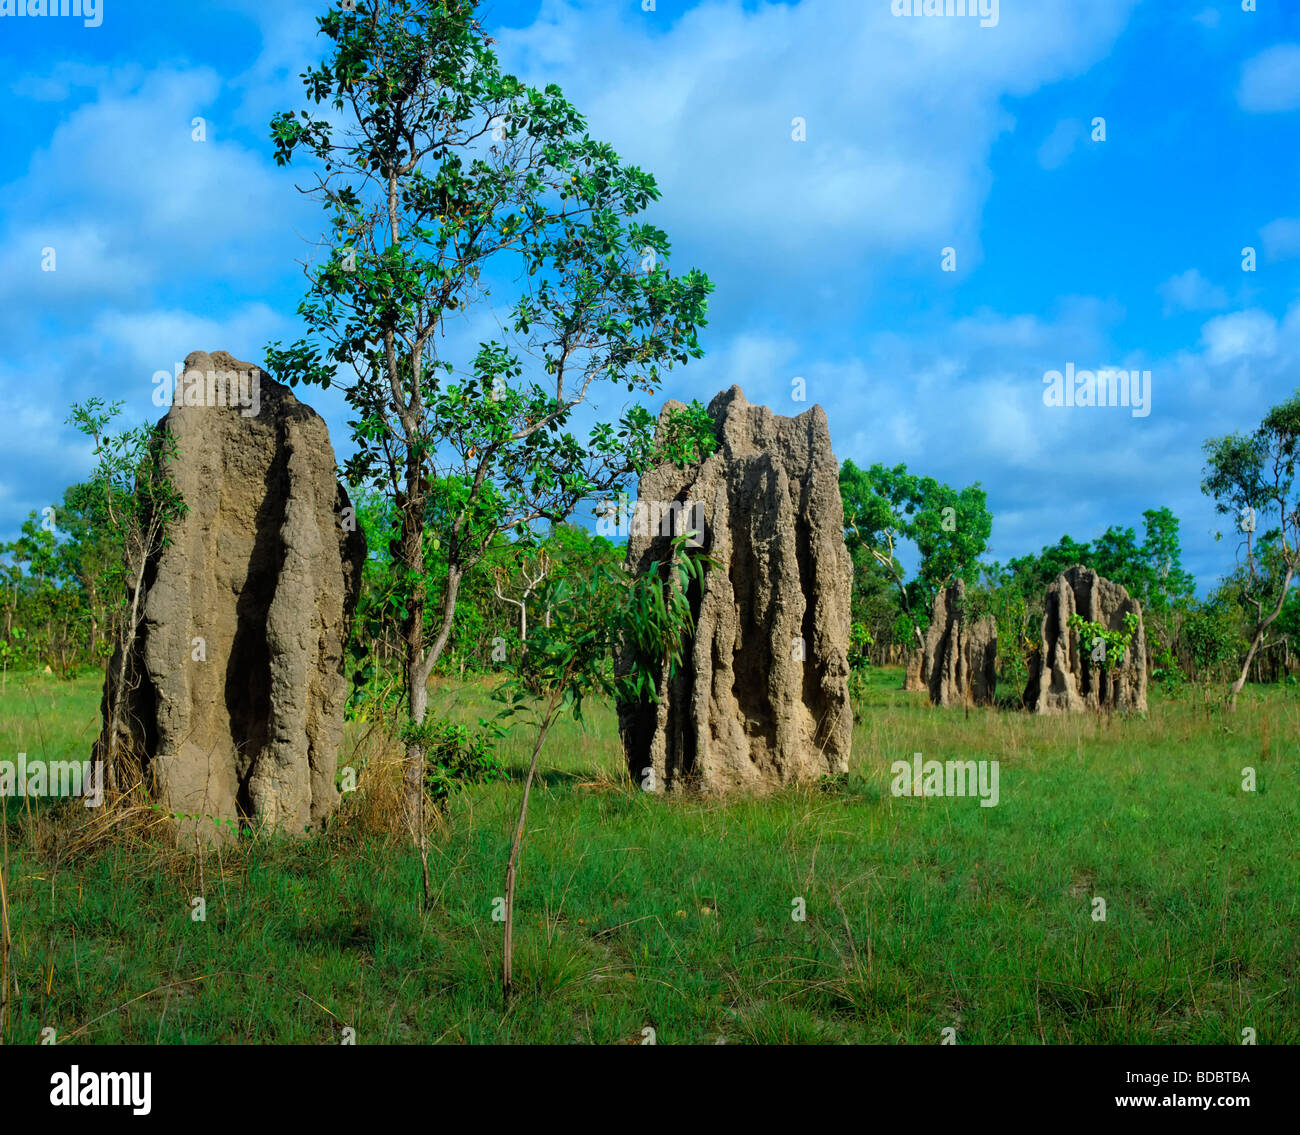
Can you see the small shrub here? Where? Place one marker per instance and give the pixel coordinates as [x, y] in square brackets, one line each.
[455, 755]
[1165, 669]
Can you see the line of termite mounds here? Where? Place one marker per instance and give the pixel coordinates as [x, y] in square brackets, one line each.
[264, 571]
[745, 710]
[959, 663]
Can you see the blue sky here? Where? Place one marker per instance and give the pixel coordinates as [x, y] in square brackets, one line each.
[921, 134]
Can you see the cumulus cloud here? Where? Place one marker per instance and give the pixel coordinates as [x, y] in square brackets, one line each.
[1281, 239]
[1240, 335]
[160, 197]
[289, 41]
[965, 402]
[126, 208]
[60, 262]
[58, 83]
[149, 341]
[900, 117]
[1190, 291]
[1270, 81]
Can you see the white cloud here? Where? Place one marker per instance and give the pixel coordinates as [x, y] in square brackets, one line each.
[1240, 335]
[1270, 81]
[902, 432]
[1281, 239]
[58, 83]
[964, 402]
[1190, 291]
[39, 450]
[764, 366]
[900, 113]
[156, 340]
[86, 261]
[290, 43]
[127, 181]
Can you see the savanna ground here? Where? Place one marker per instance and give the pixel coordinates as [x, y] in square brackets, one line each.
[640, 911]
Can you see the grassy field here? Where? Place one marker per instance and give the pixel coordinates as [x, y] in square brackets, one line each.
[640, 911]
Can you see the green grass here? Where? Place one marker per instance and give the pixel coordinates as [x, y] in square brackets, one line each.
[641, 911]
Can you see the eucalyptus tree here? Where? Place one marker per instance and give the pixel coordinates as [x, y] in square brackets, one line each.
[949, 528]
[448, 184]
[131, 500]
[1252, 478]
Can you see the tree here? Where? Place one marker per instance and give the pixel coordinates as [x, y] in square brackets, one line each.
[1252, 477]
[1151, 571]
[443, 180]
[1000, 594]
[1033, 573]
[875, 605]
[130, 494]
[47, 597]
[1166, 583]
[950, 529]
[93, 556]
[648, 616]
[1288, 628]
[1211, 642]
[533, 571]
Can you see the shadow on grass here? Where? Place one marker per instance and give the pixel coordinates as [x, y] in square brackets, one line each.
[553, 777]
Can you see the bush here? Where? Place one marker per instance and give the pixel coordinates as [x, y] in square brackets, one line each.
[455, 755]
[1165, 669]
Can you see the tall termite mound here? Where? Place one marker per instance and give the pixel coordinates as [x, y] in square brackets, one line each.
[761, 699]
[1064, 678]
[233, 691]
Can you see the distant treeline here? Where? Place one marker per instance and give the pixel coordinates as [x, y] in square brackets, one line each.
[1188, 638]
[63, 591]
[63, 603]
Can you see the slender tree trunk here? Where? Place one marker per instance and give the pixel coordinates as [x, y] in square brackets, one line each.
[1259, 637]
[4, 929]
[418, 695]
[507, 964]
[417, 676]
[125, 647]
[912, 673]
[454, 575]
